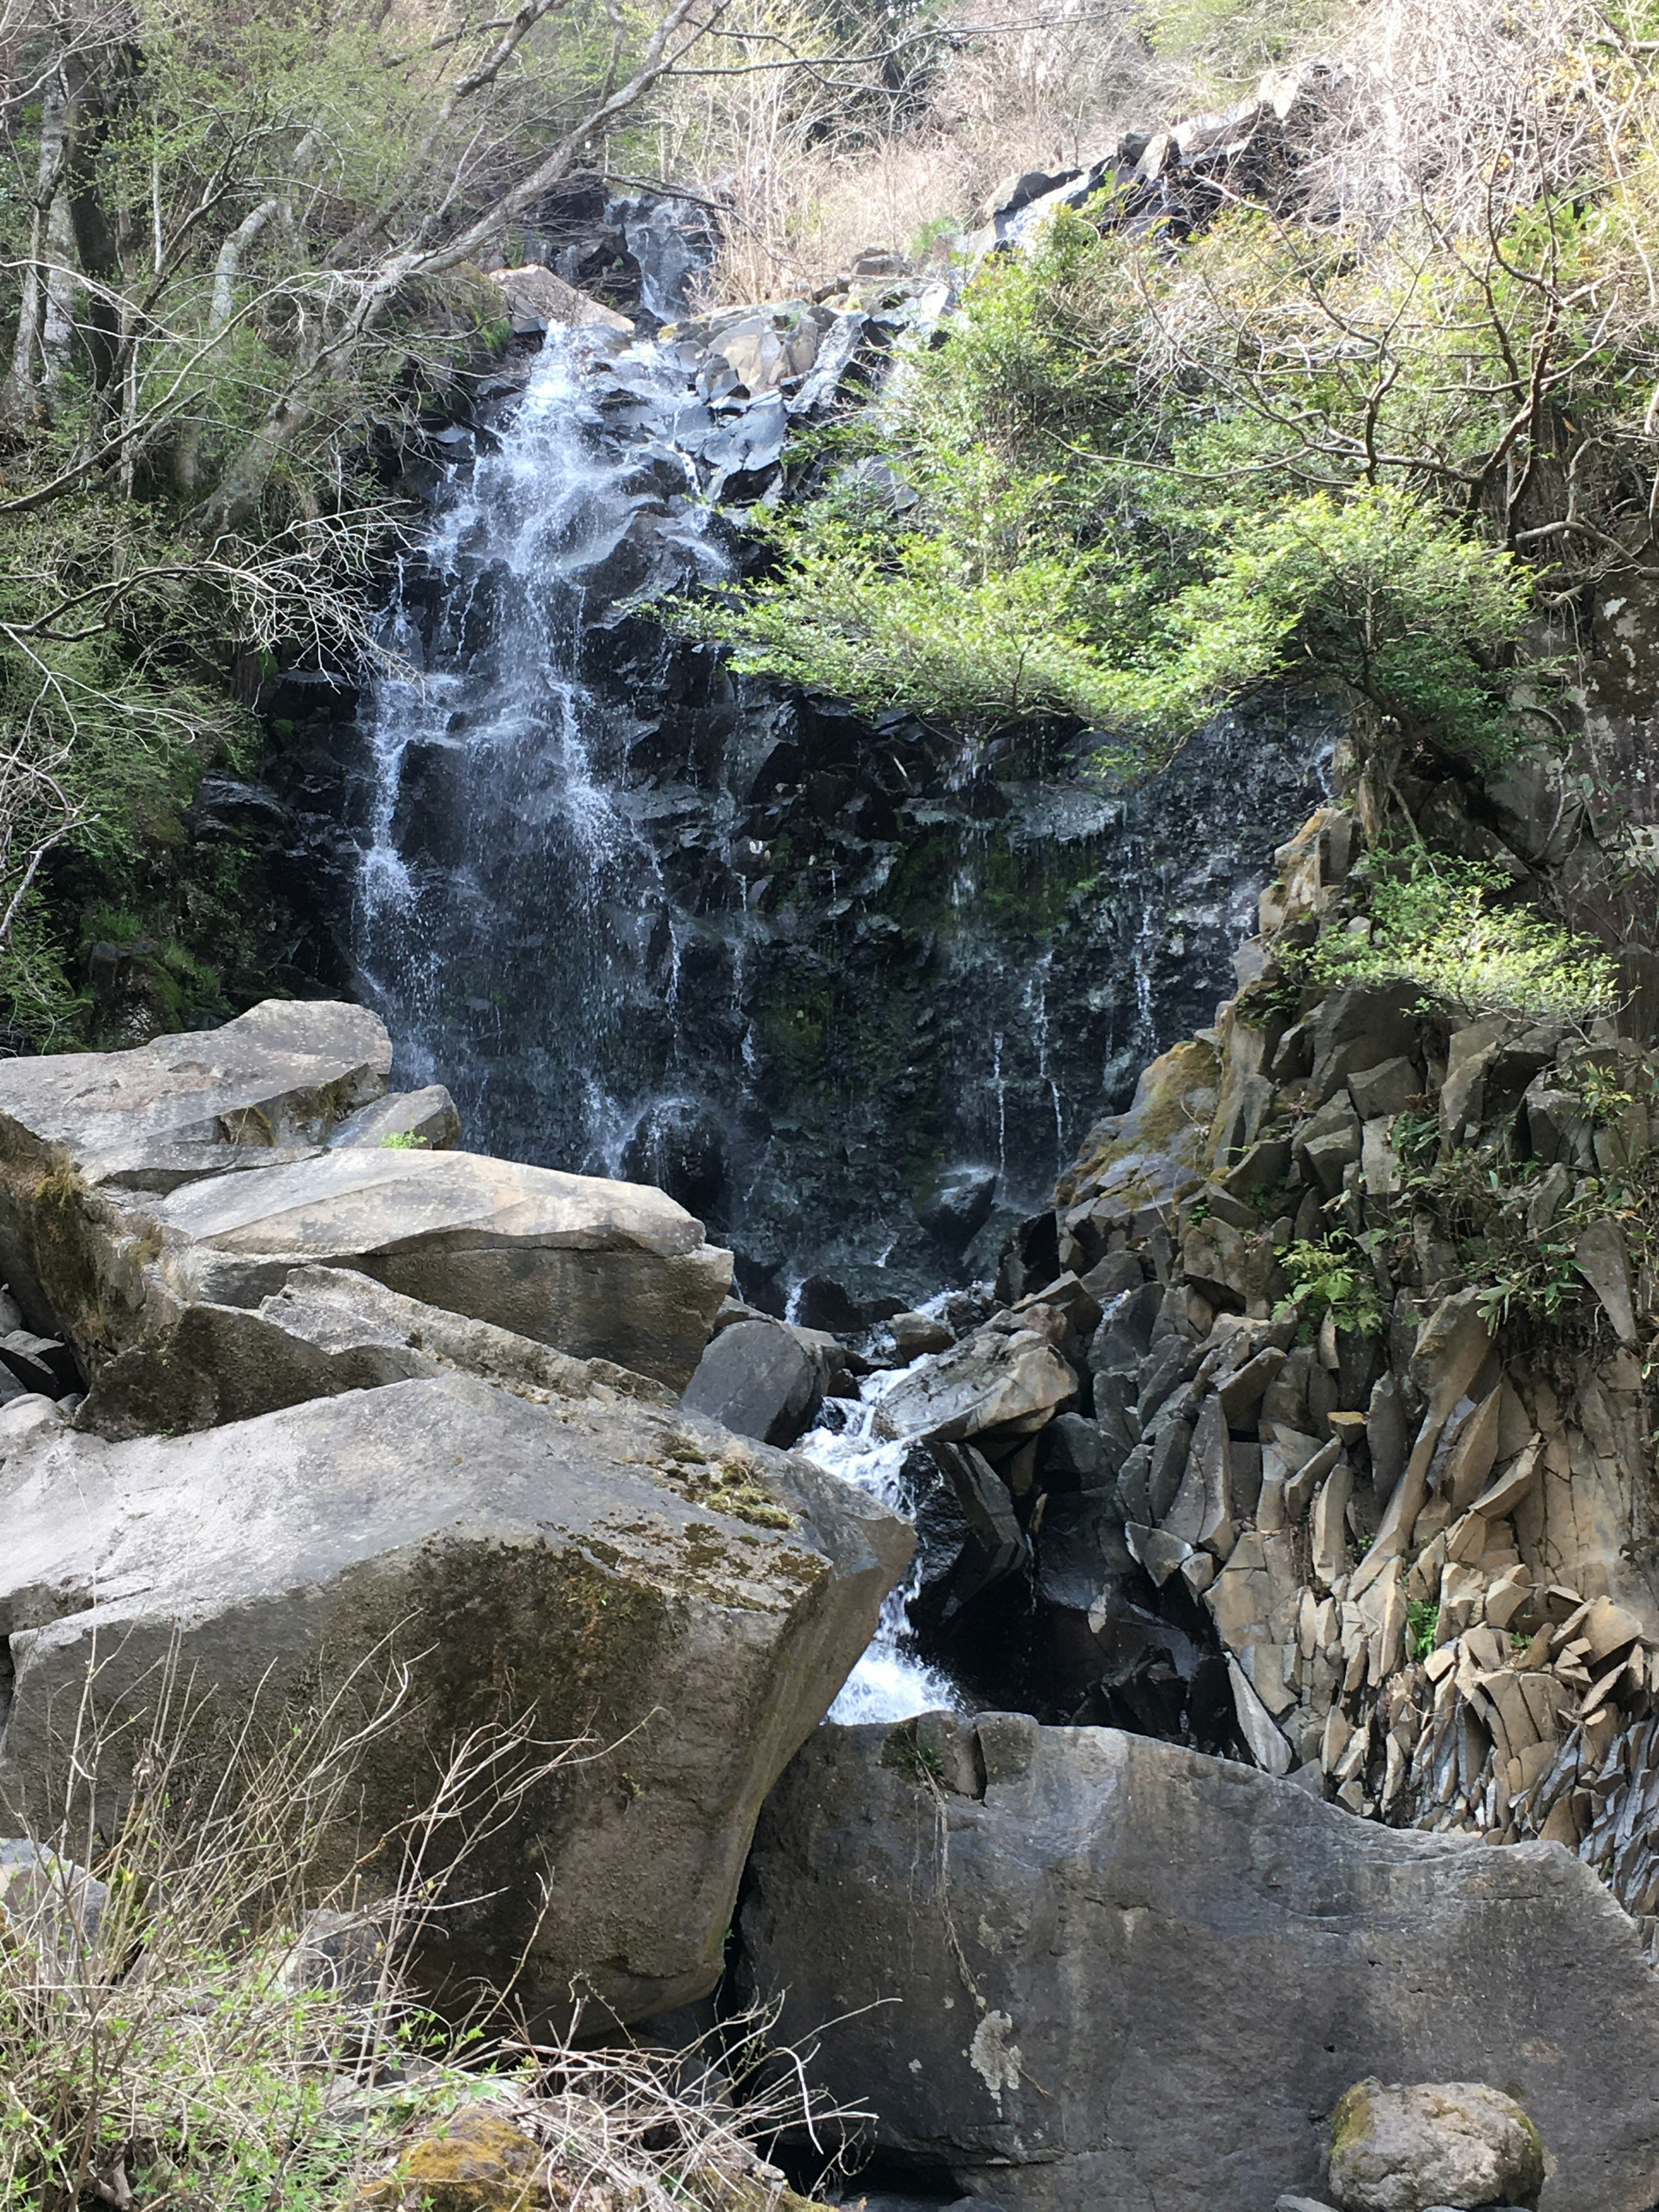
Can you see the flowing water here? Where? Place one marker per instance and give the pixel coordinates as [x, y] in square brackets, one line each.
[504, 880]
[889, 1682]
[641, 918]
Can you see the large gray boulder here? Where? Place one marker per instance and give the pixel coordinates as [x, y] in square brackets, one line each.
[86, 1137]
[1432, 2147]
[757, 1379]
[1082, 1969]
[603, 1270]
[686, 1604]
[326, 1330]
[204, 1169]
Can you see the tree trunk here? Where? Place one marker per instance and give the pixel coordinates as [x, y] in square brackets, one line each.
[63, 287]
[227, 272]
[96, 244]
[20, 395]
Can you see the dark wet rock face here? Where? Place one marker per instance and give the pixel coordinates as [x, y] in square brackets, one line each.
[852, 993]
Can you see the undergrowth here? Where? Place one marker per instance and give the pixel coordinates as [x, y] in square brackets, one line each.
[208, 2000]
[1435, 921]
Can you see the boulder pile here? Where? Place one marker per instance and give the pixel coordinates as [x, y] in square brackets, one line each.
[347, 1406]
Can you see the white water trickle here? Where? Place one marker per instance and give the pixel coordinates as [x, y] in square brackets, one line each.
[889, 1682]
[1002, 1103]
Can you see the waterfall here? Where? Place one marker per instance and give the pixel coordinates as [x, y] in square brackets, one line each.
[503, 888]
[890, 1682]
[807, 973]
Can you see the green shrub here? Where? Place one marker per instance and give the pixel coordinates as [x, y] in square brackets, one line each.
[1334, 1277]
[1434, 923]
[1422, 1626]
[1086, 538]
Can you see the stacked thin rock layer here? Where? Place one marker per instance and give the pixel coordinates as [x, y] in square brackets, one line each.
[1424, 1553]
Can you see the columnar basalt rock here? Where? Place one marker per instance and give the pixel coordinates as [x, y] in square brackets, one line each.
[1401, 1544]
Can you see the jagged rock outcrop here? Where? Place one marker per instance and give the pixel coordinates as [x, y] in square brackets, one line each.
[683, 1605]
[1177, 180]
[1079, 1968]
[1374, 1523]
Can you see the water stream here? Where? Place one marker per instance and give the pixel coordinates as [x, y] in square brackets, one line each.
[804, 972]
[502, 879]
[890, 1682]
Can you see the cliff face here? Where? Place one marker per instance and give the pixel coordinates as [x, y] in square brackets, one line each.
[1367, 1289]
[851, 990]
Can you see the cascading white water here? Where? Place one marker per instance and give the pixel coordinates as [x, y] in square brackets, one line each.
[642, 918]
[496, 697]
[889, 1682]
[498, 864]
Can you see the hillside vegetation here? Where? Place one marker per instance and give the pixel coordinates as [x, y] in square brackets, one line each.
[1388, 433]
[1386, 427]
[240, 248]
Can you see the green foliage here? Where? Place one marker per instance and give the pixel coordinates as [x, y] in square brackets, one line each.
[1334, 1276]
[403, 1140]
[1434, 923]
[1605, 1096]
[1538, 1277]
[192, 439]
[1422, 1626]
[1415, 1136]
[1075, 543]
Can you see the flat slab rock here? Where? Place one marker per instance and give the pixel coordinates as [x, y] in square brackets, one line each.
[325, 1331]
[993, 1380]
[603, 1270]
[1155, 1974]
[283, 1074]
[689, 1603]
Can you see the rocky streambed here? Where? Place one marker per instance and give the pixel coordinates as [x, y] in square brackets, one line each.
[1401, 1566]
[332, 1399]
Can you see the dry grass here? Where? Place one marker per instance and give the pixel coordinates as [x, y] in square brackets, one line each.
[205, 2007]
[815, 166]
[1470, 108]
